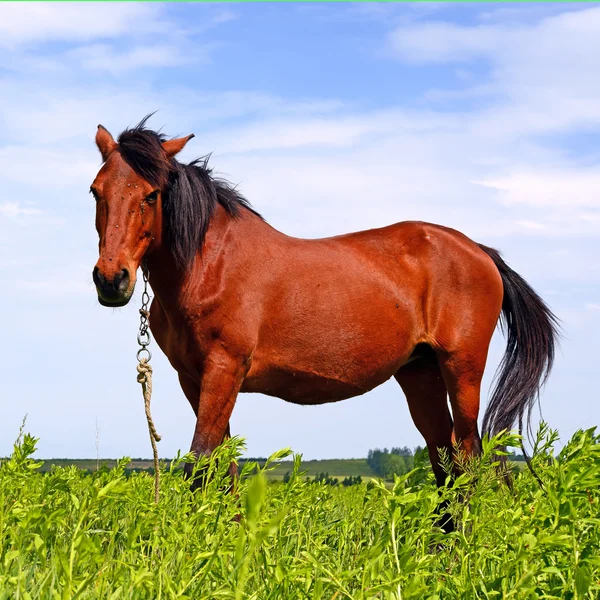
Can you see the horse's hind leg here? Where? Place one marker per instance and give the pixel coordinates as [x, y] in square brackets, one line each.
[462, 372]
[425, 391]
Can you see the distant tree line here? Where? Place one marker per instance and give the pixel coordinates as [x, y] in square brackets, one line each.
[397, 461]
[514, 456]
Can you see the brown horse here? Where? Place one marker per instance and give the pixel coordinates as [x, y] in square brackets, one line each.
[242, 307]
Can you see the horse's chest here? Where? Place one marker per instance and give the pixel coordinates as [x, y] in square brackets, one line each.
[181, 345]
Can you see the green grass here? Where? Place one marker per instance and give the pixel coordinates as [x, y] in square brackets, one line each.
[71, 534]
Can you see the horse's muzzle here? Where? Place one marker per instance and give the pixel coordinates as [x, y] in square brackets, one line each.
[115, 291]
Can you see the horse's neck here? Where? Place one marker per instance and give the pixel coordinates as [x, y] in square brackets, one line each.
[176, 288]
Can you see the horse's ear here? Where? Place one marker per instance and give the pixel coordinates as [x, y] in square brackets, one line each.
[173, 147]
[105, 142]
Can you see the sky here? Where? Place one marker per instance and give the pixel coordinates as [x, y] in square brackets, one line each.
[330, 118]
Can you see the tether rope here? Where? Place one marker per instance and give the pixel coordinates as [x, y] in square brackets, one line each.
[145, 378]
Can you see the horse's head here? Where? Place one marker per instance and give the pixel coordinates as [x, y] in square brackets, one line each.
[128, 191]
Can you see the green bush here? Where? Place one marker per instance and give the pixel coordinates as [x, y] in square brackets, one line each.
[72, 534]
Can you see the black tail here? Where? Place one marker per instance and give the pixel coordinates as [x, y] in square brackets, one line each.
[532, 332]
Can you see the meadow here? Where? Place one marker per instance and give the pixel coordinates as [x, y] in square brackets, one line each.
[70, 534]
[336, 467]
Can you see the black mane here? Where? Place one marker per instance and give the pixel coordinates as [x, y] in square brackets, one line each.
[190, 193]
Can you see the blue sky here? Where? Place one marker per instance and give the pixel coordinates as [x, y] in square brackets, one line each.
[331, 118]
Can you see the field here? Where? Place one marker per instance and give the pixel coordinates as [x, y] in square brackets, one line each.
[338, 468]
[350, 467]
[73, 534]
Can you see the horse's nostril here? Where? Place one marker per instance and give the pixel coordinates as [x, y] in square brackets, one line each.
[96, 277]
[122, 280]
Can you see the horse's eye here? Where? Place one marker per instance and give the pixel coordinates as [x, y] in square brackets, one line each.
[152, 197]
[94, 193]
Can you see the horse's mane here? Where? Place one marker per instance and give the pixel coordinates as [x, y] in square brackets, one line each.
[190, 193]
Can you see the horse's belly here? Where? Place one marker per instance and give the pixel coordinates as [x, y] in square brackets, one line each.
[334, 361]
[305, 388]
[321, 380]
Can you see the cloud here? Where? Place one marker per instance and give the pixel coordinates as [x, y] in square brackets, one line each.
[590, 216]
[527, 91]
[309, 132]
[533, 84]
[16, 212]
[102, 57]
[18, 261]
[559, 188]
[531, 225]
[345, 128]
[102, 37]
[58, 287]
[39, 22]
[13, 209]
[54, 168]
[223, 16]
[445, 42]
[439, 42]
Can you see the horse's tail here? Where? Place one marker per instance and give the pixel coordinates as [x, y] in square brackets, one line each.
[532, 331]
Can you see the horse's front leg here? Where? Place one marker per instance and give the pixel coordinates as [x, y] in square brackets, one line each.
[220, 384]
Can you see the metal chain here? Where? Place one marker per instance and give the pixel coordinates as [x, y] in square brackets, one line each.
[143, 337]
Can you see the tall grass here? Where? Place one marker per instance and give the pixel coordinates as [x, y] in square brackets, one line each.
[68, 534]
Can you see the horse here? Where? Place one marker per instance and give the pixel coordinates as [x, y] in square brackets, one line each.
[241, 307]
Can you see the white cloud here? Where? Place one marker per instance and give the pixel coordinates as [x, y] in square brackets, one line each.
[590, 216]
[52, 169]
[38, 22]
[533, 88]
[17, 212]
[537, 85]
[103, 37]
[55, 288]
[51, 278]
[344, 128]
[592, 306]
[223, 16]
[443, 42]
[531, 225]
[560, 188]
[20, 261]
[439, 42]
[102, 57]
[13, 209]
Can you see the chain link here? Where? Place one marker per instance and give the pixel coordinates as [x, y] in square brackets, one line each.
[143, 337]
